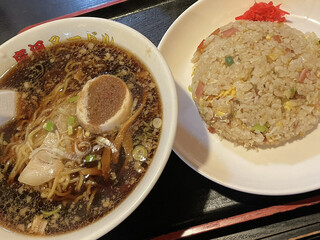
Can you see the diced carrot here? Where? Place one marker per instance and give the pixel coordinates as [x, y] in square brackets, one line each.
[199, 90]
[229, 32]
[289, 50]
[211, 129]
[277, 38]
[201, 45]
[303, 75]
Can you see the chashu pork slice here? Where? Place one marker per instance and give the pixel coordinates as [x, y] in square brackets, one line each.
[104, 103]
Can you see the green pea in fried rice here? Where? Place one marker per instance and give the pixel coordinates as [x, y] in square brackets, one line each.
[258, 83]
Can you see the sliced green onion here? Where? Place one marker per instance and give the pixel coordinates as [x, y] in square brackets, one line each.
[74, 99]
[90, 158]
[140, 153]
[260, 128]
[71, 121]
[49, 126]
[71, 124]
[229, 60]
[292, 92]
[48, 214]
[87, 134]
[99, 165]
[70, 130]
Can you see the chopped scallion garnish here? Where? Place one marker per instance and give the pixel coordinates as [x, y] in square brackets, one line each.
[90, 158]
[229, 60]
[71, 121]
[48, 214]
[70, 130]
[49, 126]
[74, 99]
[70, 125]
[259, 128]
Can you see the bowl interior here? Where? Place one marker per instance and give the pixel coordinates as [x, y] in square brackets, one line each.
[51, 33]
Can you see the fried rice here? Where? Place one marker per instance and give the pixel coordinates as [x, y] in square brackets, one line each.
[258, 83]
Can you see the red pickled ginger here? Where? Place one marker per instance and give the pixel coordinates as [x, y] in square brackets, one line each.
[264, 12]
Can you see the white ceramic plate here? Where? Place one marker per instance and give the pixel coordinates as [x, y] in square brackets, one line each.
[289, 169]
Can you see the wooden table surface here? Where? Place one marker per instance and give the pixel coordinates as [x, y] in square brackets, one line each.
[182, 203]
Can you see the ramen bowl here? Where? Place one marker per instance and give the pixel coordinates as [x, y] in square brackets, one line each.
[48, 34]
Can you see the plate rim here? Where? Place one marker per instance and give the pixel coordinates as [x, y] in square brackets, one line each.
[193, 165]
